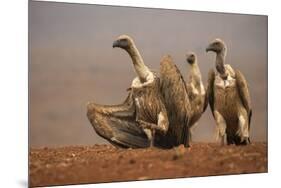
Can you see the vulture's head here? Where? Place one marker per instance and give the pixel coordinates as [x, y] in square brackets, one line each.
[217, 46]
[191, 58]
[124, 42]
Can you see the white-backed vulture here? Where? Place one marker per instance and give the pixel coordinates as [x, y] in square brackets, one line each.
[195, 90]
[135, 122]
[155, 112]
[229, 98]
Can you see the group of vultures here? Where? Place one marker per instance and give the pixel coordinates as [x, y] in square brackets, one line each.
[162, 108]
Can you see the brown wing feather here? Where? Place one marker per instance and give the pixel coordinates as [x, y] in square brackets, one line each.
[116, 123]
[210, 89]
[173, 89]
[244, 93]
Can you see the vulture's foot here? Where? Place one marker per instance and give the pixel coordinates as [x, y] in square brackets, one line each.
[179, 152]
[245, 141]
[238, 140]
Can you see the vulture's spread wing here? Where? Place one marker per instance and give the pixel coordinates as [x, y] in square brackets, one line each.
[116, 123]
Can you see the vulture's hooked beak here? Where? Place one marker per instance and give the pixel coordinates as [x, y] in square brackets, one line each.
[190, 60]
[115, 44]
[209, 48]
[121, 43]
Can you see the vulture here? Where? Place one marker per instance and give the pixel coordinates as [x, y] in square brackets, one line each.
[229, 99]
[143, 114]
[195, 90]
[156, 111]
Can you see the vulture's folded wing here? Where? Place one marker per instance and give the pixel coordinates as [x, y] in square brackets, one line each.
[173, 89]
[244, 93]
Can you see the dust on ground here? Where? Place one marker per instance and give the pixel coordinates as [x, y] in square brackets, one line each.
[105, 163]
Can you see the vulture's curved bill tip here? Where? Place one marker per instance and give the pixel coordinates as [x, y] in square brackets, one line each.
[208, 49]
[115, 44]
[121, 43]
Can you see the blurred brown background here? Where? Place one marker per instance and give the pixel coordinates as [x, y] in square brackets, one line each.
[71, 61]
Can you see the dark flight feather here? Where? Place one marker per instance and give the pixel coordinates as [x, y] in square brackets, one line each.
[117, 124]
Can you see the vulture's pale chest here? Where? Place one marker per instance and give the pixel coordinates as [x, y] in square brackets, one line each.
[230, 82]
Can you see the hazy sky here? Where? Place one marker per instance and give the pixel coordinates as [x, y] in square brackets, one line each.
[72, 61]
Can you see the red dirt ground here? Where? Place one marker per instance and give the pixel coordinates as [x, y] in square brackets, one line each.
[105, 163]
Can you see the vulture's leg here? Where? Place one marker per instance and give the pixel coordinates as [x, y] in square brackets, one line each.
[249, 141]
[191, 132]
[243, 127]
[221, 127]
[150, 128]
[149, 135]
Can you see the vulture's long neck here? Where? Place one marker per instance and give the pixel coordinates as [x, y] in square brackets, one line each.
[141, 69]
[196, 76]
[220, 59]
